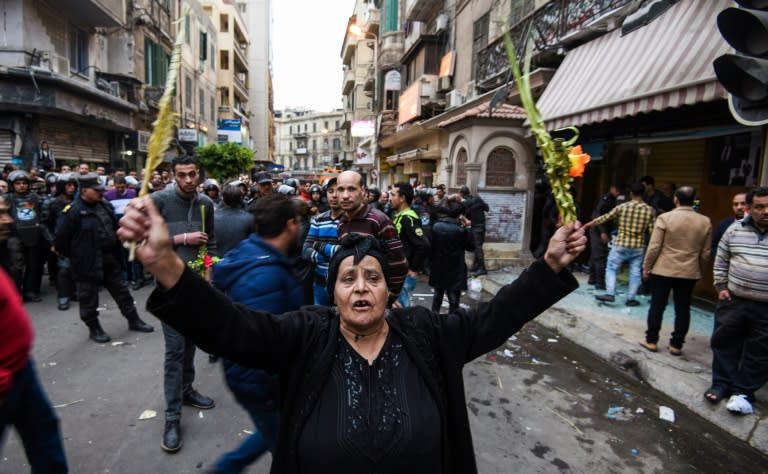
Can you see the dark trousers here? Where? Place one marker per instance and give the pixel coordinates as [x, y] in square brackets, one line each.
[88, 293]
[65, 287]
[267, 422]
[179, 371]
[740, 346]
[598, 258]
[34, 259]
[478, 232]
[453, 300]
[28, 410]
[682, 289]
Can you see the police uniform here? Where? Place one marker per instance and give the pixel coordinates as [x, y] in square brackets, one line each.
[86, 234]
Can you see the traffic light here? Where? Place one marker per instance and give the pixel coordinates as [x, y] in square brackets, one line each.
[745, 74]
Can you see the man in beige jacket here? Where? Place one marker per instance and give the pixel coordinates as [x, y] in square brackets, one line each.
[674, 261]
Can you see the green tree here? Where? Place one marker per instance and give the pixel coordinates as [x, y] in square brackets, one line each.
[224, 161]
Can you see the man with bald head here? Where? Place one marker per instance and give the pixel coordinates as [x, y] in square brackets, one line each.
[675, 259]
[360, 218]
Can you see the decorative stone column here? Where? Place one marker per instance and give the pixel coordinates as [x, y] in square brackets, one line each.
[529, 168]
[473, 176]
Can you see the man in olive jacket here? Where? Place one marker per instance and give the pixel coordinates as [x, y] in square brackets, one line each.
[674, 261]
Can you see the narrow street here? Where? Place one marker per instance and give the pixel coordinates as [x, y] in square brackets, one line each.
[538, 404]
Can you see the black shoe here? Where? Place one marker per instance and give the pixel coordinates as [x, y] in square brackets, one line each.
[171, 437]
[606, 298]
[213, 358]
[32, 297]
[139, 325]
[632, 303]
[98, 335]
[64, 306]
[198, 400]
[137, 285]
[482, 271]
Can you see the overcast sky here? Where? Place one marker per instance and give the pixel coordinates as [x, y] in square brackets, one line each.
[307, 39]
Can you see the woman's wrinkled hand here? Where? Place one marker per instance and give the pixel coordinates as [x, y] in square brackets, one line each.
[567, 243]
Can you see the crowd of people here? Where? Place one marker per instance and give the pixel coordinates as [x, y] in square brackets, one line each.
[339, 261]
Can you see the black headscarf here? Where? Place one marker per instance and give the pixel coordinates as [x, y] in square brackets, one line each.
[358, 246]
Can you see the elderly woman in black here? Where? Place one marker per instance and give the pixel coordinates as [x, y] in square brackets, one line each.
[364, 388]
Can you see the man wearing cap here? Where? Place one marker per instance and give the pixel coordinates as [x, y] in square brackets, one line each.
[86, 234]
[264, 182]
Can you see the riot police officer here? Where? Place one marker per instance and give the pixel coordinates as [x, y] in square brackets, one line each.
[86, 234]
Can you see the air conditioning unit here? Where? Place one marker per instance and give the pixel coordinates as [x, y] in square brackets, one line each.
[455, 98]
[444, 84]
[428, 89]
[441, 23]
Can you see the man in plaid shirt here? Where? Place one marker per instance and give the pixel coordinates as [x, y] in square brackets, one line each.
[635, 221]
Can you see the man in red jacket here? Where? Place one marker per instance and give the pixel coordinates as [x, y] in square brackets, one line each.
[23, 402]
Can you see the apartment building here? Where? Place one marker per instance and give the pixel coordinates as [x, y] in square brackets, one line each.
[308, 142]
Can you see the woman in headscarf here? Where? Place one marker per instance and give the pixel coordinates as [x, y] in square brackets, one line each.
[364, 388]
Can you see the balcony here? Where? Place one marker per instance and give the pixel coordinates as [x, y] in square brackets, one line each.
[371, 18]
[349, 81]
[422, 10]
[391, 50]
[95, 13]
[241, 86]
[559, 23]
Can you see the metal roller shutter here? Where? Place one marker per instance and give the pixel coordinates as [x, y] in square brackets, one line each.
[680, 163]
[75, 142]
[6, 147]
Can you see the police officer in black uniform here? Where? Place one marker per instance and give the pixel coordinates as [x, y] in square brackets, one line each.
[86, 234]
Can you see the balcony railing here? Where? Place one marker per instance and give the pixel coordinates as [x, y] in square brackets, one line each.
[549, 27]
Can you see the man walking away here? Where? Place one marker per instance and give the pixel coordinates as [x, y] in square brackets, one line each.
[675, 259]
[258, 273]
[180, 207]
[739, 349]
[451, 237]
[86, 234]
[322, 241]
[599, 236]
[233, 222]
[635, 221]
[408, 226]
[477, 209]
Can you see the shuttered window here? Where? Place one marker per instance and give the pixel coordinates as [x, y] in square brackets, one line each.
[680, 163]
[156, 62]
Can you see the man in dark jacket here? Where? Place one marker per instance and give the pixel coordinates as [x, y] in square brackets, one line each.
[739, 206]
[451, 237]
[599, 236]
[30, 231]
[86, 235]
[477, 209]
[258, 273]
[66, 187]
[408, 225]
[232, 221]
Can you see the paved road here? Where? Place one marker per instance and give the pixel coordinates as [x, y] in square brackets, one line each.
[538, 404]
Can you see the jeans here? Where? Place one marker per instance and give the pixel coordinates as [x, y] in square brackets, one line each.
[616, 257]
[405, 294]
[321, 295]
[27, 408]
[478, 232]
[179, 371]
[267, 422]
[681, 288]
[453, 300]
[740, 346]
[88, 294]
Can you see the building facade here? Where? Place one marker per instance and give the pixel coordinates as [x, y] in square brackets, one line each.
[309, 143]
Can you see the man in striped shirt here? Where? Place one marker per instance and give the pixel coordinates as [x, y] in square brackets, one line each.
[634, 221]
[739, 349]
[322, 241]
[361, 218]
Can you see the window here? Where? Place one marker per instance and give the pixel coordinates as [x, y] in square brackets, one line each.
[336, 144]
[203, 46]
[337, 125]
[224, 60]
[500, 169]
[479, 40]
[519, 10]
[78, 50]
[461, 168]
[325, 125]
[188, 92]
[213, 57]
[290, 146]
[389, 19]
[290, 130]
[202, 103]
[213, 109]
[224, 23]
[314, 127]
[305, 127]
[314, 144]
[187, 29]
[156, 62]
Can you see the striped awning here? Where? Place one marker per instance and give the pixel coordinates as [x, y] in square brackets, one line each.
[665, 64]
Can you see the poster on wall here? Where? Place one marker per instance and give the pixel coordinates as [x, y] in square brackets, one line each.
[504, 223]
[734, 160]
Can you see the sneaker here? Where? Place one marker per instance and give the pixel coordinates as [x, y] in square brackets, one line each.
[739, 405]
[605, 298]
[632, 303]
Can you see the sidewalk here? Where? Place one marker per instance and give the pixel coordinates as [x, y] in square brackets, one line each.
[612, 331]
